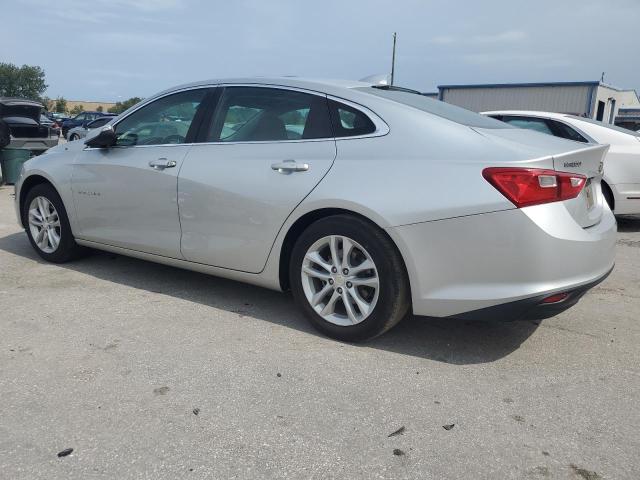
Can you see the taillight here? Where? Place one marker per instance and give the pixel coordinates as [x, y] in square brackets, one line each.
[532, 186]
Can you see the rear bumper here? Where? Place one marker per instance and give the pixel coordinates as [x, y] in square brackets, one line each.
[532, 308]
[468, 264]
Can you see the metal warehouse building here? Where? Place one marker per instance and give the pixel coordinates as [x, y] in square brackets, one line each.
[589, 99]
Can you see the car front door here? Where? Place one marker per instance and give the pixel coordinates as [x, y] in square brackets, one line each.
[263, 151]
[125, 196]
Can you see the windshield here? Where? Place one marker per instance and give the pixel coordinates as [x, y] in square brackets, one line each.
[435, 107]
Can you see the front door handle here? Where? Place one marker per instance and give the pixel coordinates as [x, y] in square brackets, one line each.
[162, 163]
[288, 166]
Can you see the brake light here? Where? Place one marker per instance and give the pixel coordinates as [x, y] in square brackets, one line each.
[533, 186]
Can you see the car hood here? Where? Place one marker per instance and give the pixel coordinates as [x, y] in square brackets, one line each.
[71, 148]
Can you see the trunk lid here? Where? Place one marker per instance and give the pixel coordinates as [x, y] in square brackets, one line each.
[587, 207]
[15, 107]
[565, 156]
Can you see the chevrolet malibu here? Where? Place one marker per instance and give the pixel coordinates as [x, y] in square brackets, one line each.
[366, 201]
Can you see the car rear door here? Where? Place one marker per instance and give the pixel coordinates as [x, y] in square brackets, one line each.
[262, 152]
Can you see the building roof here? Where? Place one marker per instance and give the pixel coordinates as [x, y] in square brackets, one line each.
[591, 83]
[520, 85]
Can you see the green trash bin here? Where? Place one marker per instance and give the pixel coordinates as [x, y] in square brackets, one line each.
[11, 160]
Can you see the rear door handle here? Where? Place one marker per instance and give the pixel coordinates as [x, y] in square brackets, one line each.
[289, 166]
[162, 163]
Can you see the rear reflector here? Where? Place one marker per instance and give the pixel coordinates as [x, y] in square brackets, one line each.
[533, 186]
[557, 298]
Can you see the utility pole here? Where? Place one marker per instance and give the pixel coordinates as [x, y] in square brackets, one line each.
[393, 58]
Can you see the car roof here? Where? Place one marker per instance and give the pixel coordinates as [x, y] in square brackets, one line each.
[321, 85]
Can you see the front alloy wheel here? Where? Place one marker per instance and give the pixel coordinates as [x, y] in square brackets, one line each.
[47, 224]
[44, 224]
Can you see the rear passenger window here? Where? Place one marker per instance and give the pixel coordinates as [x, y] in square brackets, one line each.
[257, 114]
[348, 121]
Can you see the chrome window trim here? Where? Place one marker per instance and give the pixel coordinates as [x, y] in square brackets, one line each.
[381, 130]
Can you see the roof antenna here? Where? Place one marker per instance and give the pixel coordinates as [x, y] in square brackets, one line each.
[393, 58]
[601, 78]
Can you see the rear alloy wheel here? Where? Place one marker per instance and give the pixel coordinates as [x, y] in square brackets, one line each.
[340, 280]
[349, 279]
[47, 225]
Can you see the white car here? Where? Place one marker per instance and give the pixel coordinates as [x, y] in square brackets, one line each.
[621, 180]
[367, 202]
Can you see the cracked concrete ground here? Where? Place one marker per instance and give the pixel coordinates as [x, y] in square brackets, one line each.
[151, 372]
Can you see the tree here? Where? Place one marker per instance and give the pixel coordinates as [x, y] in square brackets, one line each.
[120, 107]
[46, 102]
[77, 109]
[99, 109]
[25, 82]
[60, 105]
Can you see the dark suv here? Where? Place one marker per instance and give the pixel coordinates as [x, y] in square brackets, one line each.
[80, 120]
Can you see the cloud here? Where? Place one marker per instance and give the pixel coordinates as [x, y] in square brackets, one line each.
[140, 42]
[98, 11]
[509, 36]
[501, 58]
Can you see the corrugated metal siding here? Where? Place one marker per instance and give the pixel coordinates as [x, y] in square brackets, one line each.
[562, 99]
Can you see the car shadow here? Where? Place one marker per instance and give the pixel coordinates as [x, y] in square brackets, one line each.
[444, 340]
[628, 223]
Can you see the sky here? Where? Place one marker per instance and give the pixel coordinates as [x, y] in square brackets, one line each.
[110, 50]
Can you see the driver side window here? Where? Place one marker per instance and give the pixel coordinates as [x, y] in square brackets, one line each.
[164, 121]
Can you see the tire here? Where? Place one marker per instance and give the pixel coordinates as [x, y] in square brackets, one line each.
[66, 249]
[608, 195]
[385, 305]
[73, 137]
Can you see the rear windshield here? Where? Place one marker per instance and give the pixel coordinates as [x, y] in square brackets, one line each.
[436, 107]
[606, 125]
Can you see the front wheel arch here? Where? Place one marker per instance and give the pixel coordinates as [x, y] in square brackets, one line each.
[27, 184]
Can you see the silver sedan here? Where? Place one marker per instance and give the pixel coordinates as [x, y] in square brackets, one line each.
[76, 133]
[367, 202]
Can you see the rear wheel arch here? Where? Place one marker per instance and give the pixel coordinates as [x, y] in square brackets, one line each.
[302, 223]
[608, 194]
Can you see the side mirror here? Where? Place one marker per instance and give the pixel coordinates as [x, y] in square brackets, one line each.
[105, 139]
